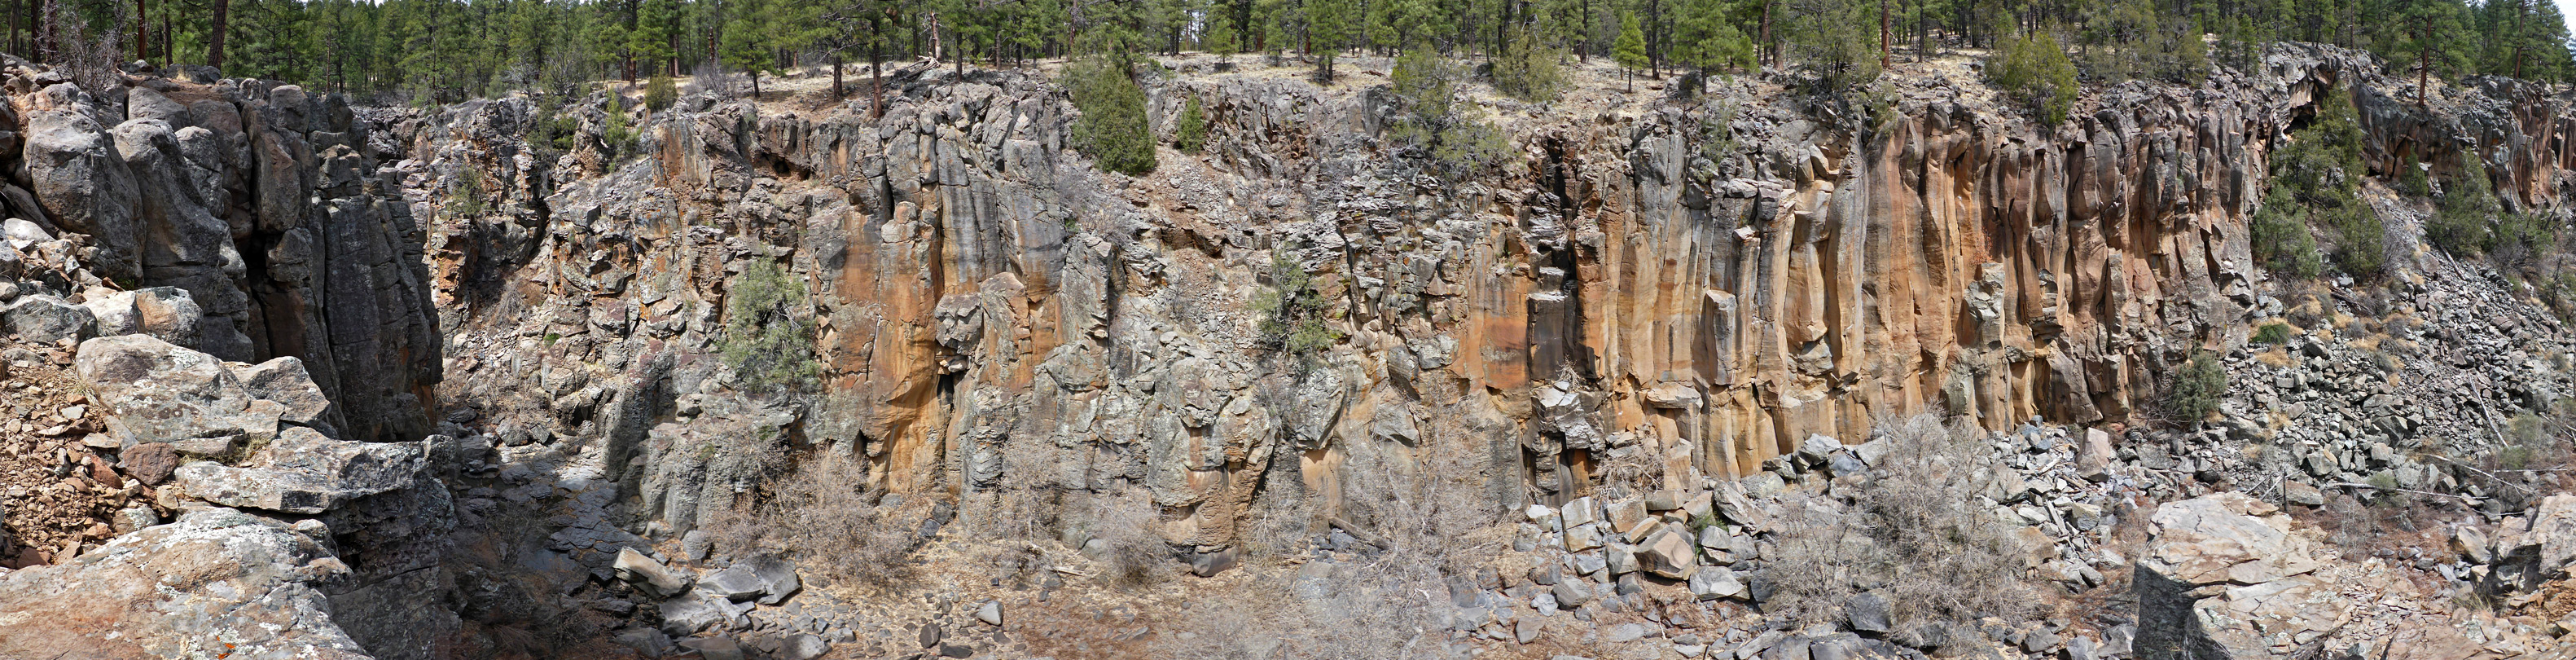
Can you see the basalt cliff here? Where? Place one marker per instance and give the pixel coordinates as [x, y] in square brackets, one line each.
[300, 378]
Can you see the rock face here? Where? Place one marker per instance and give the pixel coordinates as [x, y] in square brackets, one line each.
[214, 583]
[271, 291]
[172, 196]
[992, 316]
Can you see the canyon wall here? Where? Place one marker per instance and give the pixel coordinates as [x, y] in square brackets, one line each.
[996, 315]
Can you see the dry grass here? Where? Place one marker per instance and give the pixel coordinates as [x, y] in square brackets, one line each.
[1914, 534]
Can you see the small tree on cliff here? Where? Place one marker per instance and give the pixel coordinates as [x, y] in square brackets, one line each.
[1191, 134]
[1433, 124]
[1112, 130]
[769, 330]
[2034, 70]
[2316, 177]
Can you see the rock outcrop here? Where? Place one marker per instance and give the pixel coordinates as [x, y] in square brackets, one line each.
[172, 184]
[214, 583]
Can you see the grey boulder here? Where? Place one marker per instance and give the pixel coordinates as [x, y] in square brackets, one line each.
[650, 576]
[304, 472]
[47, 319]
[154, 391]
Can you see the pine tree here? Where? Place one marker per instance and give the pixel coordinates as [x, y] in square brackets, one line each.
[1330, 25]
[1706, 40]
[1112, 128]
[746, 42]
[649, 41]
[1630, 49]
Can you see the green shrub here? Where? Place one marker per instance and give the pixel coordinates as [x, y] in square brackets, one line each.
[2524, 235]
[2272, 333]
[2414, 183]
[1433, 124]
[1112, 129]
[2196, 389]
[1717, 134]
[2361, 241]
[466, 199]
[2383, 486]
[2035, 71]
[660, 92]
[1192, 133]
[1529, 71]
[1293, 313]
[616, 133]
[769, 330]
[2316, 182]
[2462, 215]
[2282, 241]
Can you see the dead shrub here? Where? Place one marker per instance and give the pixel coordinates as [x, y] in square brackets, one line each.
[1914, 533]
[1379, 607]
[2393, 525]
[1023, 508]
[1127, 526]
[825, 512]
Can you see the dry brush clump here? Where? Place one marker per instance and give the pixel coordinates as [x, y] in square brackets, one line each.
[1913, 534]
[825, 513]
[1122, 531]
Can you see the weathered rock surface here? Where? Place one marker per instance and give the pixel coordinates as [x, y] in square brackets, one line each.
[215, 583]
[304, 472]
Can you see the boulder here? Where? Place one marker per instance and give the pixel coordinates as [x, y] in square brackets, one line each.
[304, 472]
[154, 391]
[284, 380]
[2301, 493]
[48, 319]
[2539, 546]
[694, 612]
[736, 583]
[215, 583]
[2223, 573]
[1571, 594]
[802, 646]
[76, 173]
[1668, 553]
[167, 313]
[1579, 511]
[777, 576]
[714, 648]
[2227, 537]
[1625, 516]
[150, 463]
[649, 576]
[1579, 538]
[1714, 582]
[2093, 457]
[1867, 613]
[1818, 448]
